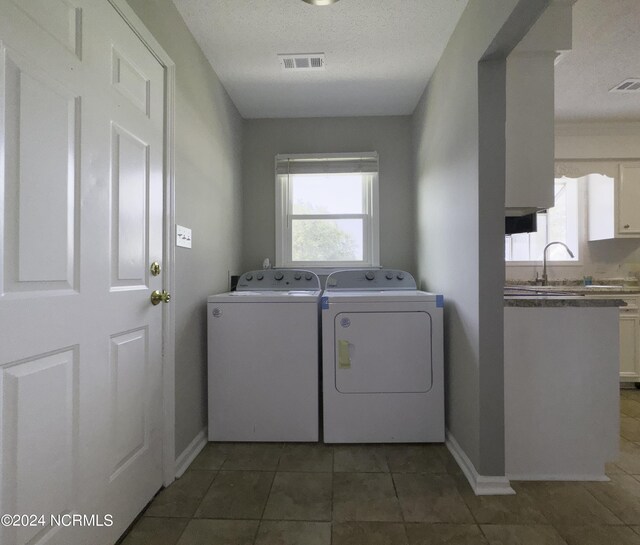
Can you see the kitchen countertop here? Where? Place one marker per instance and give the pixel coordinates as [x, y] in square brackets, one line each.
[597, 288]
[540, 301]
[567, 295]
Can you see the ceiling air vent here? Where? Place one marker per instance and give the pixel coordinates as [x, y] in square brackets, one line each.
[302, 61]
[631, 85]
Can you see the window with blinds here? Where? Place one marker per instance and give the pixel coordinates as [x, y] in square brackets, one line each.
[327, 210]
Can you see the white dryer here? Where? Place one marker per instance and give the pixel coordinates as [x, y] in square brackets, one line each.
[263, 343]
[382, 343]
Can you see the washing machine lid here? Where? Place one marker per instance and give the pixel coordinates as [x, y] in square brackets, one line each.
[413, 296]
[280, 280]
[292, 296]
[273, 286]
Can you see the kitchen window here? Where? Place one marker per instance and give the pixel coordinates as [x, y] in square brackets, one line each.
[327, 210]
[559, 223]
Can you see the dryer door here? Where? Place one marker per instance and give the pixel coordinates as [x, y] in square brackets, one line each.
[383, 352]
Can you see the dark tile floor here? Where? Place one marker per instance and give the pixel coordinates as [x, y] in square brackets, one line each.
[314, 494]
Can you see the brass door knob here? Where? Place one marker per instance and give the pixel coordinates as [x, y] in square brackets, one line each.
[158, 297]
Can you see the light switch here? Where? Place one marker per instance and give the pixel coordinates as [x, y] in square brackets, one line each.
[183, 236]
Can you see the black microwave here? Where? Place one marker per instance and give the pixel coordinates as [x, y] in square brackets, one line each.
[521, 224]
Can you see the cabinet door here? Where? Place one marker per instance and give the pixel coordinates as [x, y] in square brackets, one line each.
[629, 328]
[629, 199]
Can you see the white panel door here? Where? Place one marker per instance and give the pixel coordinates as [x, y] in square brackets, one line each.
[81, 178]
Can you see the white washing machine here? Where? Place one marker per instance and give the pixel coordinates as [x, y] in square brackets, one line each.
[263, 343]
[382, 343]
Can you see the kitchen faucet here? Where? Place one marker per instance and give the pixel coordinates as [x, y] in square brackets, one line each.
[544, 256]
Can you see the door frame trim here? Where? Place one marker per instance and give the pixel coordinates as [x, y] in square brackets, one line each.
[168, 314]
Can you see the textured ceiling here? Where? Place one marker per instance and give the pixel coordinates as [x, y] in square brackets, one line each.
[380, 54]
[606, 50]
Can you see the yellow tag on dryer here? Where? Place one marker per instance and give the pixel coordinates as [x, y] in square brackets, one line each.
[344, 357]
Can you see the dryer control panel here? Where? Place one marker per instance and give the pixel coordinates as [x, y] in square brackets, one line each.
[279, 280]
[371, 280]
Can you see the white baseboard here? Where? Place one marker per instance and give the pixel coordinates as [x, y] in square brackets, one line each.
[189, 454]
[482, 485]
[556, 477]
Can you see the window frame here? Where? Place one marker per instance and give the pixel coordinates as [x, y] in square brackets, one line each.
[577, 208]
[369, 216]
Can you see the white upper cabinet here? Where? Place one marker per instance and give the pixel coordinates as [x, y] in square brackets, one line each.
[628, 201]
[614, 200]
[529, 133]
[613, 196]
[530, 111]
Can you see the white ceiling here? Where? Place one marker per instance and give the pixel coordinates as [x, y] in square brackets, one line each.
[380, 54]
[606, 50]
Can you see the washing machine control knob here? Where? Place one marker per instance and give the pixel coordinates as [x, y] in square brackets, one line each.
[297, 276]
[369, 275]
[400, 276]
[249, 277]
[260, 276]
[308, 276]
[278, 276]
[389, 275]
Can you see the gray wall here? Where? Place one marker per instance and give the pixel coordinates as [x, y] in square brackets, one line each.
[208, 200]
[389, 136]
[458, 142]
